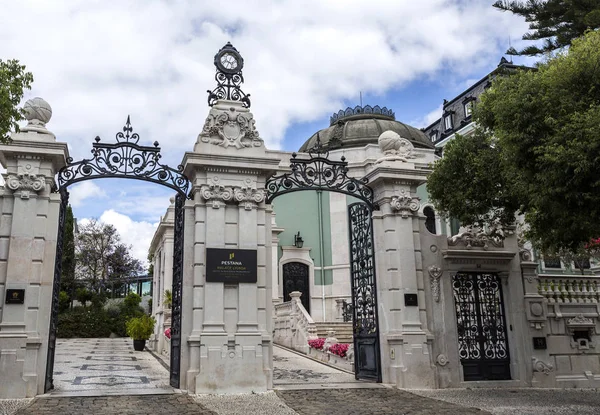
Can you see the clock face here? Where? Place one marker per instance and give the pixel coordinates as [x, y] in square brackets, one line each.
[229, 61]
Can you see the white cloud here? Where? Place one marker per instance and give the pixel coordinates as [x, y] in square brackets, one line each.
[97, 61]
[137, 234]
[85, 190]
[429, 118]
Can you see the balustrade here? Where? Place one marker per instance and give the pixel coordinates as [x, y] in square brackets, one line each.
[569, 289]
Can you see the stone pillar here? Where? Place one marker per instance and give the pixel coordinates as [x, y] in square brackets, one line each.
[28, 231]
[405, 340]
[232, 323]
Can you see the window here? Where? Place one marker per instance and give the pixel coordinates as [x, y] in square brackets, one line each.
[582, 263]
[429, 219]
[454, 226]
[468, 109]
[448, 122]
[433, 137]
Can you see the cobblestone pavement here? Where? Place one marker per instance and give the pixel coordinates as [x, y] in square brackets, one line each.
[292, 370]
[381, 401]
[105, 366]
[523, 401]
[122, 405]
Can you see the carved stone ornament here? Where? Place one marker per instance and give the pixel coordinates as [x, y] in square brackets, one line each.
[541, 366]
[38, 113]
[216, 193]
[475, 237]
[249, 195]
[525, 255]
[435, 273]
[442, 360]
[395, 147]
[405, 204]
[230, 128]
[580, 321]
[25, 183]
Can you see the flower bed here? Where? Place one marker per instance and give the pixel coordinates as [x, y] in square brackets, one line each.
[335, 355]
[317, 343]
[168, 333]
[339, 349]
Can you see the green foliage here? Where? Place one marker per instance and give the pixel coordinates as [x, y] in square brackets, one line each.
[132, 300]
[83, 322]
[141, 328]
[545, 158]
[168, 300]
[13, 81]
[84, 295]
[557, 22]
[67, 279]
[150, 306]
[64, 301]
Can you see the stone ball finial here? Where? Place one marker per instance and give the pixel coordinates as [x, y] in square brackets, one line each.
[172, 200]
[37, 111]
[388, 141]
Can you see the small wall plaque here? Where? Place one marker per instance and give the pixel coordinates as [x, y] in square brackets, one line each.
[231, 266]
[411, 300]
[15, 296]
[539, 343]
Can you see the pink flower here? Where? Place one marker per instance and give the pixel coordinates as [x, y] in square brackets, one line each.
[317, 343]
[168, 333]
[339, 349]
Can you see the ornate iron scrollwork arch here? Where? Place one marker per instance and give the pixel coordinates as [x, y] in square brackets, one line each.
[319, 173]
[124, 159]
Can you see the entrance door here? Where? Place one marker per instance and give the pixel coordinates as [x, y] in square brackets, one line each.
[481, 326]
[295, 278]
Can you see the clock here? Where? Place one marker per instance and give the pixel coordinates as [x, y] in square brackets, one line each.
[228, 60]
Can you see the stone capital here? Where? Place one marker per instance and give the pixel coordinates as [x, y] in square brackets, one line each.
[216, 194]
[249, 196]
[25, 183]
[405, 204]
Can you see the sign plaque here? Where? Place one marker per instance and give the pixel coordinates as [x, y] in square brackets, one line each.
[15, 296]
[231, 266]
[411, 300]
[539, 343]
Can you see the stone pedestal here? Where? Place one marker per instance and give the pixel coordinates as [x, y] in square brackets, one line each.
[28, 231]
[230, 340]
[405, 341]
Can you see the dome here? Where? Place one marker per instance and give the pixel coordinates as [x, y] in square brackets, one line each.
[359, 126]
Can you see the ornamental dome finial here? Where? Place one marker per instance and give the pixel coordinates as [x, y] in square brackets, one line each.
[37, 112]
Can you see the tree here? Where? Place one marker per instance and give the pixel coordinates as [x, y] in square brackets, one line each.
[67, 281]
[557, 22]
[13, 81]
[536, 151]
[101, 257]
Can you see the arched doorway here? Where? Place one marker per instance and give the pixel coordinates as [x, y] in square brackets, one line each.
[321, 174]
[125, 159]
[296, 278]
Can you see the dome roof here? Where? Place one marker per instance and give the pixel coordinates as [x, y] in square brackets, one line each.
[359, 126]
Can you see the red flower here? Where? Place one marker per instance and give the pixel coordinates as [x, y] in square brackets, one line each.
[168, 333]
[317, 343]
[339, 349]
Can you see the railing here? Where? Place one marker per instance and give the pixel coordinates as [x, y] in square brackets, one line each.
[570, 289]
[293, 325]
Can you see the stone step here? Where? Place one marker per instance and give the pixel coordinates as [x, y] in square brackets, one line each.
[343, 331]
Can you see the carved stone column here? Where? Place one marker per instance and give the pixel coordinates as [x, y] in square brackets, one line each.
[28, 235]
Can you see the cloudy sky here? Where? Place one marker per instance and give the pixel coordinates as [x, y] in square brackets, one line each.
[96, 62]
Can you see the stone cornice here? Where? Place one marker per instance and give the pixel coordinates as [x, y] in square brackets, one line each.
[464, 256]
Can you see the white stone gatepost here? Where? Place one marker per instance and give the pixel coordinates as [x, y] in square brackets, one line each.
[28, 231]
[230, 340]
[405, 341]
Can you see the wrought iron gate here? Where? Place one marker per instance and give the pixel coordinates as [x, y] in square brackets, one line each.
[367, 360]
[481, 326]
[124, 159]
[49, 383]
[295, 278]
[320, 173]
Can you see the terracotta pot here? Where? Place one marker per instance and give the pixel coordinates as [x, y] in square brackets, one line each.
[138, 345]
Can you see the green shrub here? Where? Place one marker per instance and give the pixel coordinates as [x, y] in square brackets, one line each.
[132, 300]
[141, 328]
[119, 314]
[64, 302]
[83, 322]
[84, 295]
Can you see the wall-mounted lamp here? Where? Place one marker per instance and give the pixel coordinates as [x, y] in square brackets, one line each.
[298, 241]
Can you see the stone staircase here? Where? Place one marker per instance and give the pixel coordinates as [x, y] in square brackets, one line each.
[343, 331]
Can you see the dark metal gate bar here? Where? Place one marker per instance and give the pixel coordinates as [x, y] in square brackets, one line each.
[49, 383]
[367, 361]
[320, 173]
[177, 290]
[124, 159]
[295, 278]
[481, 326]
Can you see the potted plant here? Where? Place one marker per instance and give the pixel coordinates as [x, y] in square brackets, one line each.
[168, 300]
[140, 329]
